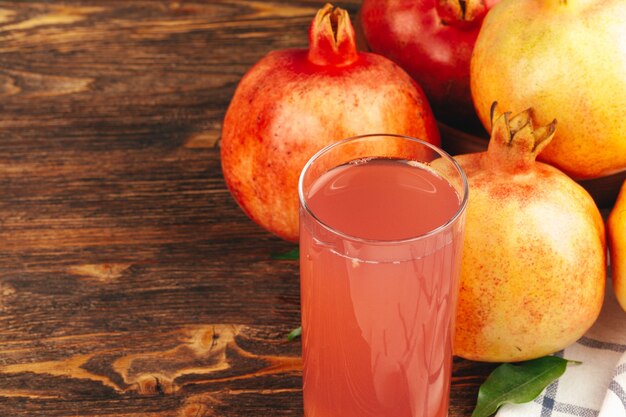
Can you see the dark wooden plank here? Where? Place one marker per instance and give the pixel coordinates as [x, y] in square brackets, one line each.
[133, 74]
[130, 282]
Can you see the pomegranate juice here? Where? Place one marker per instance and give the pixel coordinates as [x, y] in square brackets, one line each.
[379, 269]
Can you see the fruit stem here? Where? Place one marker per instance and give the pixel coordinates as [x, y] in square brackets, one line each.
[461, 13]
[515, 142]
[332, 38]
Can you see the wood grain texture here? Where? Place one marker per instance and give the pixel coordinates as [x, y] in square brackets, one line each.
[130, 282]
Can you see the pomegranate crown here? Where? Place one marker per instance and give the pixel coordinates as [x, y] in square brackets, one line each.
[515, 141]
[461, 13]
[332, 40]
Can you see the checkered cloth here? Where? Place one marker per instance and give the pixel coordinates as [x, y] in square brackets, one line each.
[595, 388]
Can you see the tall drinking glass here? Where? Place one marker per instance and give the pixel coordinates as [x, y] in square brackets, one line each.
[381, 235]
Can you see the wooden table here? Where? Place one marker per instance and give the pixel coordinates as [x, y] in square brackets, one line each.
[130, 282]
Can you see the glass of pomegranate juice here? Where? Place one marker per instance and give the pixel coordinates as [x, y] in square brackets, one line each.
[381, 235]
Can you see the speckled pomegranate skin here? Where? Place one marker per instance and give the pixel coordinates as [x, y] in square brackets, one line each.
[534, 264]
[294, 102]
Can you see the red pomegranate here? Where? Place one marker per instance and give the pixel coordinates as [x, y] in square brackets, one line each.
[433, 41]
[294, 102]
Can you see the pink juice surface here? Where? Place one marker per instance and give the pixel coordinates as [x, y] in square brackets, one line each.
[377, 316]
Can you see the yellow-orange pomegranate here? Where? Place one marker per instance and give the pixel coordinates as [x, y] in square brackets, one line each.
[533, 270]
[570, 58]
[617, 245]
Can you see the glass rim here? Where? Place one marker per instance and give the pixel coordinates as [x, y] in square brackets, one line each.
[347, 236]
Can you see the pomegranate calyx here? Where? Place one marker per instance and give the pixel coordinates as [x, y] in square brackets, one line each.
[515, 142]
[461, 13]
[332, 40]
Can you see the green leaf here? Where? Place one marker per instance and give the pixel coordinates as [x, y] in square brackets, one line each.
[292, 254]
[517, 383]
[294, 333]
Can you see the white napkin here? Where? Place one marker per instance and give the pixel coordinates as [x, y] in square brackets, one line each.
[595, 388]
